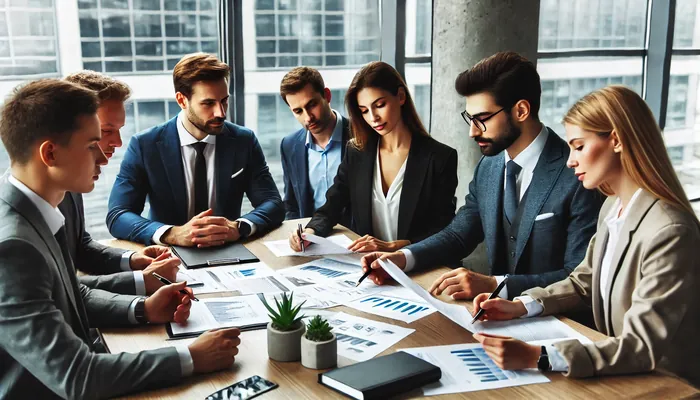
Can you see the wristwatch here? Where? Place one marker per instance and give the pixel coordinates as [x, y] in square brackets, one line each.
[243, 229]
[543, 363]
[140, 311]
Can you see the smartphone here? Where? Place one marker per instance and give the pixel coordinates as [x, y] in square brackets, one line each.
[245, 389]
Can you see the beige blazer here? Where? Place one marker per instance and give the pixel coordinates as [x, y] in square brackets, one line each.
[652, 315]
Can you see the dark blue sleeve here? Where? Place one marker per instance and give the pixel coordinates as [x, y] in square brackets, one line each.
[291, 205]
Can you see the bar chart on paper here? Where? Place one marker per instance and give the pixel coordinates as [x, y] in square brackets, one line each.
[392, 307]
[467, 368]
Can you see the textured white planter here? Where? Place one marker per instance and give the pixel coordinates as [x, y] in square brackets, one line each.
[285, 345]
[319, 355]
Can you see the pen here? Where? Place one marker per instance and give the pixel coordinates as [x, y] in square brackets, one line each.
[494, 294]
[301, 239]
[167, 282]
[362, 278]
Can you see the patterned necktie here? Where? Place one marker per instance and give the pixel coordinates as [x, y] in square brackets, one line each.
[510, 197]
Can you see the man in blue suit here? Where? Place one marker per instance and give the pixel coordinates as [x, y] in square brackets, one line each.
[531, 210]
[194, 169]
[311, 155]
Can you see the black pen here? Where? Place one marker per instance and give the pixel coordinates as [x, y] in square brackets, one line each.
[167, 282]
[301, 239]
[493, 295]
[362, 278]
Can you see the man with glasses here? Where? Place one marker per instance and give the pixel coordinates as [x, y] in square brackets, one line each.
[534, 215]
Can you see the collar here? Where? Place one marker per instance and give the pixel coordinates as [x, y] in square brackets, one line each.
[186, 138]
[53, 217]
[527, 159]
[612, 219]
[336, 136]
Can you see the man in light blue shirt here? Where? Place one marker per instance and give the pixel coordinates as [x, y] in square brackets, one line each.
[310, 156]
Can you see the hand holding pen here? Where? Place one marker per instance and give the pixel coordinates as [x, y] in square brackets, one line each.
[167, 282]
[296, 238]
[493, 308]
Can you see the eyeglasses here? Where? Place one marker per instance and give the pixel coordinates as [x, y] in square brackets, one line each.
[479, 122]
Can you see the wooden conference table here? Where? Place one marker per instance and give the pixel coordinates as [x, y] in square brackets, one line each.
[297, 382]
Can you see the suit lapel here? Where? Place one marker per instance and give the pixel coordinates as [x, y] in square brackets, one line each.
[598, 252]
[635, 216]
[300, 162]
[414, 177]
[24, 206]
[364, 183]
[171, 156]
[224, 165]
[547, 170]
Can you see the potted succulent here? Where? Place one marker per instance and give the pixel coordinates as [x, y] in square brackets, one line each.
[284, 330]
[319, 347]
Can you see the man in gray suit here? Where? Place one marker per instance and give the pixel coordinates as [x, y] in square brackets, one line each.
[50, 131]
[533, 213]
[110, 269]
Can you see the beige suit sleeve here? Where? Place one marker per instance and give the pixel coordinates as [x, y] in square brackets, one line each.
[660, 302]
[570, 294]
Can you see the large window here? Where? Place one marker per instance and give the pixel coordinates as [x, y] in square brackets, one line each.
[28, 39]
[144, 35]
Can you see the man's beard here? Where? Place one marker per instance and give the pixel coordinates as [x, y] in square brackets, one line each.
[203, 126]
[509, 137]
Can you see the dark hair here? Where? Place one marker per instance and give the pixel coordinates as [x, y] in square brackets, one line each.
[297, 79]
[197, 67]
[41, 110]
[508, 76]
[107, 88]
[381, 75]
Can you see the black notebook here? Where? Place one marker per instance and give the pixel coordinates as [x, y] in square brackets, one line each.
[382, 377]
[233, 253]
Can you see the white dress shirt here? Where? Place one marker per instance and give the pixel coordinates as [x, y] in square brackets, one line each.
[527, 160]
[385, 209]
[189, 155]
[55, 221]
[614, 221]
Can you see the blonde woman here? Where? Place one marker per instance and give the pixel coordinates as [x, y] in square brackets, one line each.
[641, 273]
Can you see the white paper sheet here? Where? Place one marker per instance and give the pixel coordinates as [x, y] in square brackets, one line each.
[221, 312]
[308, 301]
[467, 368]
[336, 244]
[343, 290]
[526, 329]
[361, 339]
[224, 278]
[318, 271]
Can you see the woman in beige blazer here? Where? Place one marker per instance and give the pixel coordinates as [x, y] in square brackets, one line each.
[641, 273]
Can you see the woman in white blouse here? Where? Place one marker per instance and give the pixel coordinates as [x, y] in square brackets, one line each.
[641, 273]
[398, 182]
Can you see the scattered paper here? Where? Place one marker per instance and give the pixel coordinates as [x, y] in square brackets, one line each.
[467, 368]
[225, 278]
[361, 339]
[206, 314]
[336, 244]
[318, 271]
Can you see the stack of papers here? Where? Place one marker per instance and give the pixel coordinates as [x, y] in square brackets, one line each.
[337, 244]
[244, 312]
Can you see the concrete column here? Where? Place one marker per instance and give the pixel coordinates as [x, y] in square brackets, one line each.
[465, 32]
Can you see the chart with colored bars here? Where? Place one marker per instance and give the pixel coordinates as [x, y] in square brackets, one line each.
[392, 307]
[327, 272]
[481, 366]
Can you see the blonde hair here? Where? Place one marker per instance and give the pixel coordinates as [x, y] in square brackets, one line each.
[644, 156]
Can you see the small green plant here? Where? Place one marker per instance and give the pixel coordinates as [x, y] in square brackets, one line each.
[318, 330]
[285, 318]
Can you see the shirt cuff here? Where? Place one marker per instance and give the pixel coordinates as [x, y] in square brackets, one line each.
[410, 260]
[125, 263]
[186, 363]
[556, 360]
[533, 307]
[131, 314]
[139, 283]
[252, 226]
[159, 234]
[504, 292]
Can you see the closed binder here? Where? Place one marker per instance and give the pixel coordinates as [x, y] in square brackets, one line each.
[232, 253]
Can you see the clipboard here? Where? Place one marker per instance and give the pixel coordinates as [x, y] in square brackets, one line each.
[229, 254]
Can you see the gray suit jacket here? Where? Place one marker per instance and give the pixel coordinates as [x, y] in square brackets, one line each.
[45, 316]
[652, 305]
[90, 256]
[547, 250]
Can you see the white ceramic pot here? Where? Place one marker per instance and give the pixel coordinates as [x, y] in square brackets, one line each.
[319, 355]
[285, 345]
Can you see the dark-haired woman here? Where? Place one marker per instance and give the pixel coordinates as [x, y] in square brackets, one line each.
[398, 182]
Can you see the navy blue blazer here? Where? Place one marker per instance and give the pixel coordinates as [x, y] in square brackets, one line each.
[152, 167]
[298, 196]
[546, 250]
[427, 199]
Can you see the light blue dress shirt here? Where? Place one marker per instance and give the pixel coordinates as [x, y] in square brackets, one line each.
[324, 163]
